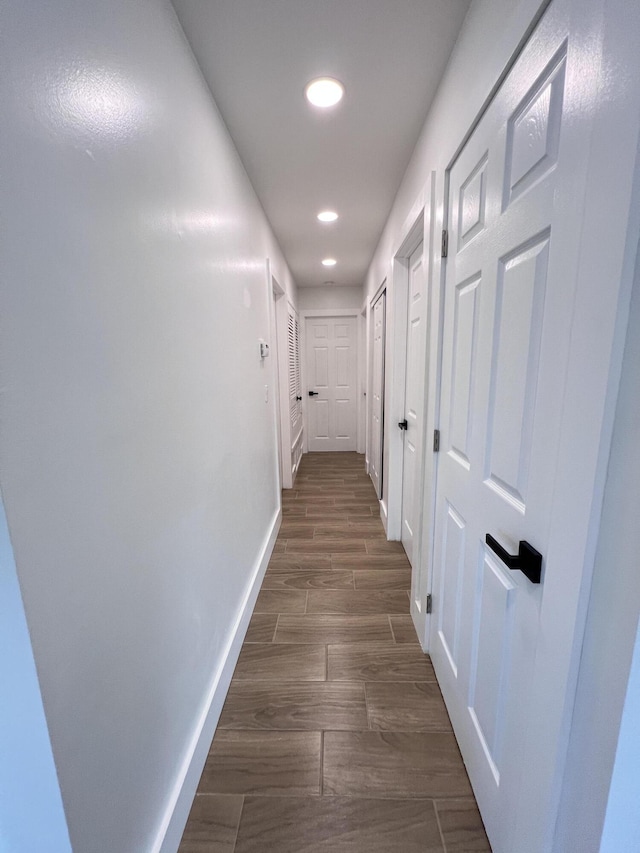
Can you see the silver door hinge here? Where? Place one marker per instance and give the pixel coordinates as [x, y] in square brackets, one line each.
[445, 243]
[429, 607]
[436, 440]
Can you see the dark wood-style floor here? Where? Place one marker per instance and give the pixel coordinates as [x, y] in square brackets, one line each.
[334, 736]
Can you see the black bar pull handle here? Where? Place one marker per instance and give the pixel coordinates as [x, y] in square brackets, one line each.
[527, 560]
[313, 393]
[403, 424]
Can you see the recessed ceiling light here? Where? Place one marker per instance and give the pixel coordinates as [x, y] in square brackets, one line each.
[324, 92]
[329, 262]
[327, 216]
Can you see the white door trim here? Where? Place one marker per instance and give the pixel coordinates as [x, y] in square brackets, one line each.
[275, 292]
[396, 373]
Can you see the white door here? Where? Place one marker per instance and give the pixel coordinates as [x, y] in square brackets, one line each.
[331, 347]
[377, 394]
[514, 224]
[414, 397]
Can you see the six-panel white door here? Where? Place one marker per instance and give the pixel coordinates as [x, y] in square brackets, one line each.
[507, 316]
[414, 397]
[377, 394]
[331, 347]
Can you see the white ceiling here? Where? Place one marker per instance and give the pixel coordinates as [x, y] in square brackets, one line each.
[257, 56]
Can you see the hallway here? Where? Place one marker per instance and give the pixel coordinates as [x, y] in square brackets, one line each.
[334, 735]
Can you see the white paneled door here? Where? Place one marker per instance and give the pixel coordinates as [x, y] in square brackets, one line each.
[414, 397]
[331, 348]
[509, 302]
[377, 394]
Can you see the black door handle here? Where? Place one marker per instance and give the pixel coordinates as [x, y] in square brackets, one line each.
[403, 424]
[527, 560]
[313, 393]
[298, 398]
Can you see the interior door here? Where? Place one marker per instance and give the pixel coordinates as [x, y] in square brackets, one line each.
[377, 394]
[414, 396]
[331, 348]
[506, 343]
[295, 389]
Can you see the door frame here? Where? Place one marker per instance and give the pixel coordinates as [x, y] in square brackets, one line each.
[368, 311]
[275, 292]
[311, 313]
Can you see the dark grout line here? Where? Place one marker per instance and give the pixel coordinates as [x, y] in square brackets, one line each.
[235, 840]
[435, 809]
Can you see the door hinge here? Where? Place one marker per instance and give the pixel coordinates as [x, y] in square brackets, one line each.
[429, 607]
[436, 440]
[445, 243]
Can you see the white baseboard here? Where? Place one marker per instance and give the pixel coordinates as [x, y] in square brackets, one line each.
[177, 810]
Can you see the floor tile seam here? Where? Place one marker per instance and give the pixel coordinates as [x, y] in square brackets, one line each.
[235, 840]
[369, 796]
[439, 825]
[391, 629]
[327, 796]
[275, 630]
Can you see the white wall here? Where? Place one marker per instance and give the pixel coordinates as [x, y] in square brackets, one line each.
[137, 453]
[329, 298]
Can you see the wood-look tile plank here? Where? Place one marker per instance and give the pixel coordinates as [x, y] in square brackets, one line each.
[379, 662]
[320, 514]
[295, 706]
[266, 763]
[213, 824]
[318, 491]
[404, 631]
[347, 503]
[273, 662]
[297, 528]
[300, 562]
[380, 562]
[332, 629]
[291, 510]
[279, 546]
[322, 579]
[393, 764]
[358, 601]
[325, 546]
[406, 707]
[281, 601]
[391, 579]
[314, 500]
[261, 628]
[462, 827]
[377, 546]
[337, 825]
[349, 530]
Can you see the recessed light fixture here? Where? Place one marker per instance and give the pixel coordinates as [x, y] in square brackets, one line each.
[327, 216]
[329, 262]
[324, 92]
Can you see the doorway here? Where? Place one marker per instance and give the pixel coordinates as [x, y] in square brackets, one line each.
[331, 346]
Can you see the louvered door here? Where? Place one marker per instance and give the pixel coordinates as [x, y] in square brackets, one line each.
[295, 388]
